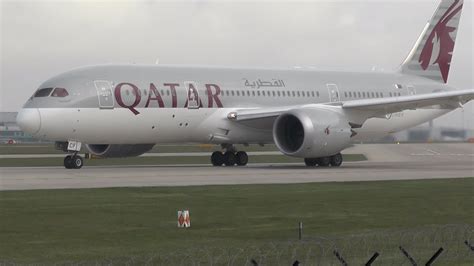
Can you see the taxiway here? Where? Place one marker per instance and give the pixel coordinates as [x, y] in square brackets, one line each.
[385, 162]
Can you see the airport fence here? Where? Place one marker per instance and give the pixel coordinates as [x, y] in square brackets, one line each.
[446, 245]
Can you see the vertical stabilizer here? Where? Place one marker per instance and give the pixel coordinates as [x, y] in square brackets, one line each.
[432, 53]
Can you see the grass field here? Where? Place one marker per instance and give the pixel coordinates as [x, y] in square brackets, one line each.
[138, 225]
[15, 162]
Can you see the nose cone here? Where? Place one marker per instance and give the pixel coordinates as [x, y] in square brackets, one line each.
[29, 120]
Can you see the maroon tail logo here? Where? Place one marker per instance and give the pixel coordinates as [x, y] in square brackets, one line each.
[441, 38]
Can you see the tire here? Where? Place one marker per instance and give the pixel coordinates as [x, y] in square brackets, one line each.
[217, 158]
[68, 162]
[229, 158]
[241, 158]
[77, 162]
[310, 162]
[336, 160]
[324, 161]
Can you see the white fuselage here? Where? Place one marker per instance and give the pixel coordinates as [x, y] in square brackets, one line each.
[163, 104]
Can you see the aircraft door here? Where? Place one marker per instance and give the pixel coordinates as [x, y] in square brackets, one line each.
[333, 92]
[193, 100]
[104, 93]
[411, 90]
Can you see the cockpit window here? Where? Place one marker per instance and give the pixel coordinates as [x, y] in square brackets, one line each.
[43, 92]
[59, 92]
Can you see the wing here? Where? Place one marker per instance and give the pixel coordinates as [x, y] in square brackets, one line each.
[448, 100]
[359, 110]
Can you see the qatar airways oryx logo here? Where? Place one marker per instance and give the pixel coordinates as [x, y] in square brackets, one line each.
[439, 46]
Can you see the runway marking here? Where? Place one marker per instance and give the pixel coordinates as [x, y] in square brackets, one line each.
[433, 152]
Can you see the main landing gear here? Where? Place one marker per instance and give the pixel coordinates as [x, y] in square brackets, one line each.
[230, 157]
[334, 161]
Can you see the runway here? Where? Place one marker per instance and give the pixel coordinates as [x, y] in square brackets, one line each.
[386, 162]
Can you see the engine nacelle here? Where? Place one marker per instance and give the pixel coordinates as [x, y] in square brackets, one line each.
[119, 150]
[311, 132]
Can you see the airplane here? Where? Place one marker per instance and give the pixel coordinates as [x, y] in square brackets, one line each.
[124, 110]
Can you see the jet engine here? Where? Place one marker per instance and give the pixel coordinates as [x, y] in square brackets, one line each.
[311, 132]
[119, 150]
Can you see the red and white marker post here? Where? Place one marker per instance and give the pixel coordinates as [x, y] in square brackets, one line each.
[184, 221]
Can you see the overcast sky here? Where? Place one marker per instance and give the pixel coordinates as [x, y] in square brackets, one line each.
[40, 39]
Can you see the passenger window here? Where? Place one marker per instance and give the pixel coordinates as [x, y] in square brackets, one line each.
[43, 92]
[59, 92]
[263, 93]
[253, 93]
[238, 93]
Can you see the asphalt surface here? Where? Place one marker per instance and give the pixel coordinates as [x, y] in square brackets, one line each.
[386, 162]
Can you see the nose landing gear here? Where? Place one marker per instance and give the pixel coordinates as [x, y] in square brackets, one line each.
[229, 158]
[73, 161]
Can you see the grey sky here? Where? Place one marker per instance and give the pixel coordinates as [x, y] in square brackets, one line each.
[40, 39]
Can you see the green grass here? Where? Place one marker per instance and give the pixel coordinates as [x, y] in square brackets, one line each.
[15, 162]
[117, 224]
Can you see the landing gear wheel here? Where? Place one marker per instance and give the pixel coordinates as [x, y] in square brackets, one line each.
[68, 162]
[324, 161]
[77, 162]
[241, 158]
[217, 158]
[311, 162]
[336, 160]
[229, 158]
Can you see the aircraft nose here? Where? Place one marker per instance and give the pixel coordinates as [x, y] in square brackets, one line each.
[29, 120]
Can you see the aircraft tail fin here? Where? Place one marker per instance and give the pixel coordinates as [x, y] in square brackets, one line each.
[431, 56]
